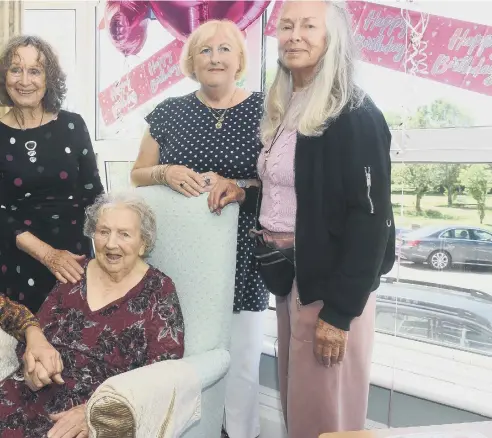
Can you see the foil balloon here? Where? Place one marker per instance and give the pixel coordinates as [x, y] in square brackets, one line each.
[127, 23]
[181, 18]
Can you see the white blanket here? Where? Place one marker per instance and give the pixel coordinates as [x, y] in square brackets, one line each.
[8, 359]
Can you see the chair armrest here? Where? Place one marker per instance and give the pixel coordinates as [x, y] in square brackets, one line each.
[162, 399]
[210, 366]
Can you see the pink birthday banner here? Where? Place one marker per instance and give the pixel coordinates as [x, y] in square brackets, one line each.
[271, 26]
[450, 51]
[126, 23]
[141, 84]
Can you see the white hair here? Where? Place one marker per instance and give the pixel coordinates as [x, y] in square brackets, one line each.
[130, 200]
[330, 91]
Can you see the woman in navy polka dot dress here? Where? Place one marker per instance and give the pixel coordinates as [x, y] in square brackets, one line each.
[195, 141]
[48, 175]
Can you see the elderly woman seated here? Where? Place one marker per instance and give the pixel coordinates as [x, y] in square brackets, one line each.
[123, 314]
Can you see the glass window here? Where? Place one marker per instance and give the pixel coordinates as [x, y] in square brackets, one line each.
[482, 235]
[451, 332]
[126, 121]
[447, 235]
[442, 207]
[477, 339]
[459, 233]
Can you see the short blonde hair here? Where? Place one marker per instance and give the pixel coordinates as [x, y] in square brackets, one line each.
[203, 33]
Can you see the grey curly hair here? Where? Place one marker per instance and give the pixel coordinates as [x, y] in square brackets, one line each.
[56, 87]
[148, 227]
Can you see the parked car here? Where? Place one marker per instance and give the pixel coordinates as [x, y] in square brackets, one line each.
[444, 245]
[401, 231]
[456, 319]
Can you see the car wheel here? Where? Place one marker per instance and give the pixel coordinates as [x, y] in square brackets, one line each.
[440, 260]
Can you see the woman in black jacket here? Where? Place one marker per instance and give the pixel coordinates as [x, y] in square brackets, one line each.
[325, 199]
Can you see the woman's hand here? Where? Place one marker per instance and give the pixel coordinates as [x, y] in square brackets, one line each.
[38, 378]
[210, 179]
[64, 265]
[42, 363]
[70, 424]
[185, 181]
[329, 343]
[224, 192]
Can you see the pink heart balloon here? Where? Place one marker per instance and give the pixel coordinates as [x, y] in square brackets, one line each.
[182, 17]
[127, 23]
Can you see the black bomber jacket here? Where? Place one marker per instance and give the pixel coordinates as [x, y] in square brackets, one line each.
[345, 235]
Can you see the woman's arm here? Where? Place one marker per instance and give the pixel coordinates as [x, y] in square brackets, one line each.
[89, 181]
[42, 363]
[369, 219]
[10, 228]
[227, 192]
[15, 318]
[146, 170]
[64, 265]
[252, 183]
[70, 424]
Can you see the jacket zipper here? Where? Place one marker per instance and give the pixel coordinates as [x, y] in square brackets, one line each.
[367, 171]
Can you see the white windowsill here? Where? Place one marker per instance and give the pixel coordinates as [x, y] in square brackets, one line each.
[443, 375]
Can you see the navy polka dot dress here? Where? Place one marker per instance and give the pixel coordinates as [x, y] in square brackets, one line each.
[48, 175]
[185, 130]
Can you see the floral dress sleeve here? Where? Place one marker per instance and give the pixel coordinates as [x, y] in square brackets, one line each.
[15, 318]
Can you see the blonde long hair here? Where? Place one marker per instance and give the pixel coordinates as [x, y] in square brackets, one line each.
[332, 88]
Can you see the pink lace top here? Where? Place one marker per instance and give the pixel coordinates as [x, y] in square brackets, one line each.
[279, 204]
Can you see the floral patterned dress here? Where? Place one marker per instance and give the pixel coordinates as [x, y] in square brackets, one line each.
[144, 326]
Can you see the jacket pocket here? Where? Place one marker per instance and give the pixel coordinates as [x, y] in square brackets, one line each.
[367, 171]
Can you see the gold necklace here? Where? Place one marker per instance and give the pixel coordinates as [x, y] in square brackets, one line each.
[219, 118]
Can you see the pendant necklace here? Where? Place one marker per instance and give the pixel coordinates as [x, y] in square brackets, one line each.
[221, 116]
[30, 145]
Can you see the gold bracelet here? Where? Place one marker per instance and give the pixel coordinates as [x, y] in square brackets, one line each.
[155, 169]
[164, 172]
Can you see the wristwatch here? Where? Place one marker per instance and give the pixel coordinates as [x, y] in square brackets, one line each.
[242, 183]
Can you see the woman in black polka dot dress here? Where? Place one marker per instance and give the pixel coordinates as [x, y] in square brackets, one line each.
[195, 140]
[48, 175]
[187, 136]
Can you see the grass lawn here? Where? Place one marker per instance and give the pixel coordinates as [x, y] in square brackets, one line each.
[435, 211]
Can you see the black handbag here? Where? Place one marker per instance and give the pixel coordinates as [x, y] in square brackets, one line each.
[276, 267]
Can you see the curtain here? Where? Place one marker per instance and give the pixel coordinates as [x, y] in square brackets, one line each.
[10, 25]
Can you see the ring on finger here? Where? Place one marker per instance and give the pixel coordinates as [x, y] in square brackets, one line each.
[182, 184]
